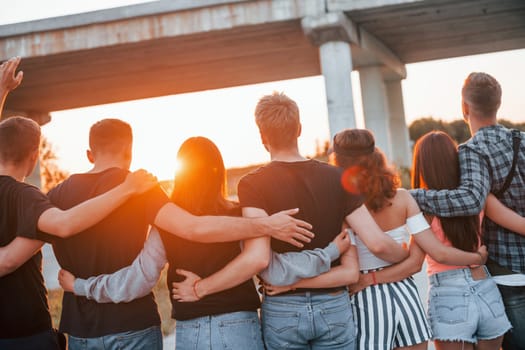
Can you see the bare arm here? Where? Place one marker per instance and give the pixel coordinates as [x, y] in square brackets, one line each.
[393, 273]
[437, 250]
[8, 80]
[16, 253]
[338, 276]
[380, 244]
[65, 223]
[127, 284]
[253, 258]
[208, 229]
[504, 216]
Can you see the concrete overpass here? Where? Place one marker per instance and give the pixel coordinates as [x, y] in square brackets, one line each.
[170, 47]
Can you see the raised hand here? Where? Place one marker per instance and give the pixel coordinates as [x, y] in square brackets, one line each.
[8, 80]
[140, 181]
[185, 291]
[284, 227]
[66, 280]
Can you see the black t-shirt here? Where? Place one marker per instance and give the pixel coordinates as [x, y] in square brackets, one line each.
[23, 297]
[105, 248]
[204, 259]
[312, 186]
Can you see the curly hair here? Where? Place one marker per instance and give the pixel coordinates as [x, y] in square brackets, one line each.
[376, 180]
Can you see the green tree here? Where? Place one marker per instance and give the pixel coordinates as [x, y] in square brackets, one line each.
[457, 129]
[423, 125]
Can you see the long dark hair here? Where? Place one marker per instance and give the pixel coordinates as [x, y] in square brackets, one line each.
[200, 184]
[378, 182]
[436, 166]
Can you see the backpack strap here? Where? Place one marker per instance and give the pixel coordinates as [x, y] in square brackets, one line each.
[516, 140]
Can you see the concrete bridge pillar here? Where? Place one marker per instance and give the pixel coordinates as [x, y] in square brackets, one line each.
[333, 33]
[401, 151]
[41, 118]
[376, 107]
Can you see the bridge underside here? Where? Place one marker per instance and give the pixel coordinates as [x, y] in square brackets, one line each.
[69, 77]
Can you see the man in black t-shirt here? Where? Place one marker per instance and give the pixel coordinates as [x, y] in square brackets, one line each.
[317, 314]
[25, 322]
[116, 241]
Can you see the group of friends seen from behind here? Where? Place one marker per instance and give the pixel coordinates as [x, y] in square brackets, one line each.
[333, 246]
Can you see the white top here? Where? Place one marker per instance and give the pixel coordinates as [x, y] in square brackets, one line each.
[368, 261]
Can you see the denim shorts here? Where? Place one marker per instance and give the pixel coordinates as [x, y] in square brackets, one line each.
[463, 309]
[308, 321]
[234, 330]
[145, 339]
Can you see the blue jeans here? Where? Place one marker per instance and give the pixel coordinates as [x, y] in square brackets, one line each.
[145, 339]
[462, 308]
[514, 300]
[234, 330]
[46, 340]
[308, 321]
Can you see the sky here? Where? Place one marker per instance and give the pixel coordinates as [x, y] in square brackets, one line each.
[225, 116]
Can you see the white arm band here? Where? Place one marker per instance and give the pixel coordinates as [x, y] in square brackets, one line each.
[417, 224]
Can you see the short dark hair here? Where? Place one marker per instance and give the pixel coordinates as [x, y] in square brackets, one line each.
[110, 135]
[19, 137]
[483, 93]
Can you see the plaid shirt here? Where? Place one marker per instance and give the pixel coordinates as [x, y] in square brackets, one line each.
[485, 161]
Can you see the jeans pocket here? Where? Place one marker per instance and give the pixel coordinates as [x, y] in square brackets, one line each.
[279, 327]
[491, 296]
[146, 339]
[449, 307]
[339, 323]
[75, 343]
[243, 333]
[187, 335]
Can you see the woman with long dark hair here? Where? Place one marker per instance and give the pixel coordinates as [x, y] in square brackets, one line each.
[465, 307]
[223, 320]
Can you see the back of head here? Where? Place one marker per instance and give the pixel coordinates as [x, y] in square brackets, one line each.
[200, 184]
[483, 94]
[19, 138]
[277, 117]
[110, 136]
[355, 151]
[436, 166]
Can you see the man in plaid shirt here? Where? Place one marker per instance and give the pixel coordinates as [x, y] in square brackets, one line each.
[485, 162]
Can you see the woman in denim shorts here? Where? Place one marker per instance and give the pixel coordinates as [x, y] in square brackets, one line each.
[465, 305]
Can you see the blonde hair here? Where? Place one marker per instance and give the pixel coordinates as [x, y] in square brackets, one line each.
[483, 93]
[277, 117]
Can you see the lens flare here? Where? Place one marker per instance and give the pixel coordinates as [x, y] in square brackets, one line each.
[349, 180]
